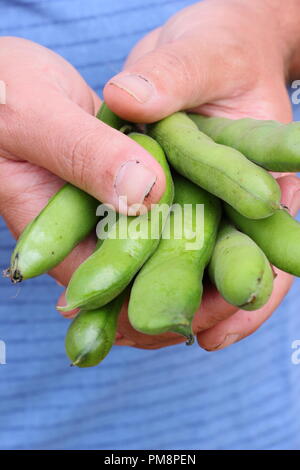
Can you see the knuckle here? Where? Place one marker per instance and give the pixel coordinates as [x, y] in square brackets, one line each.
[169, 61]
[82, 156]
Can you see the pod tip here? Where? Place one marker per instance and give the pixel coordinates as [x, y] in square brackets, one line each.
[76, 361]
[74, 364]
[186, 331]
[79, 360]
[190, 340]
[126, 129]
[64, 308]
[282, 206]
[14, 275]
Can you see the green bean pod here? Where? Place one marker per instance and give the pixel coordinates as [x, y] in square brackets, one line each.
[110, 118]
[240, 270]
[67, 219]
[110, 269]
[222, 171]
[167, 291]
[92, 334]
[270, 144]
[278, 236]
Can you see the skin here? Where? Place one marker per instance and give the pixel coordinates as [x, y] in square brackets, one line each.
[107, 272]
[187, 69]
[278, 236]
[240, 270]
[270, 144]
[222, 171]
[167, 291]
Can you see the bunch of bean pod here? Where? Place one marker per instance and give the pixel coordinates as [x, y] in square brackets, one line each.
[218, 164]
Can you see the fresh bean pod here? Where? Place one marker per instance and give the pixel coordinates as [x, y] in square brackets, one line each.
[110, 269]
[67, 219]
[278, 236]
[270, 144]
[240, 270]
[167, 291]
[110, 118]
[92, 334]
[222, 171]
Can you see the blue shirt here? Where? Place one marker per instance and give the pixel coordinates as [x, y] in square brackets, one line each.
[244, 397]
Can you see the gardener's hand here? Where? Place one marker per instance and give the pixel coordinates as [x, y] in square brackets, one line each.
[221, 58]
[48, 135]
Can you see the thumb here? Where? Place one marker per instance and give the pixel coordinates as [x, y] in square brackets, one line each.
[64, 139]
[166, 80]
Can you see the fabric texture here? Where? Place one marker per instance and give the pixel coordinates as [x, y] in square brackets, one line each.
[245, 397]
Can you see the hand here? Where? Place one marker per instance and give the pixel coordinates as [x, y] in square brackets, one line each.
[220, 58]
[49, 135]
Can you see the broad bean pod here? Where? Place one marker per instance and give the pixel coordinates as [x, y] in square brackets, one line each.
[221, 170]
[68, 218]
[167, 291]
[278, 236]
[240, 270]
[271, 144]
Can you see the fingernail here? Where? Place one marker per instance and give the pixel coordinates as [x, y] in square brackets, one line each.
[134, 181]
[227, 341]
[135, 85]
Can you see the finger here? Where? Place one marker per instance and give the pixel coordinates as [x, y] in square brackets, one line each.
[277, 174]
[171, 75]
[243, 323]
[213, 309]
[290, 192]
[71, 143]
[96, 102]
[55, 128]
[163, 81]
[61, 302]
[134, 338]
[144, 46]
[172, 78]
